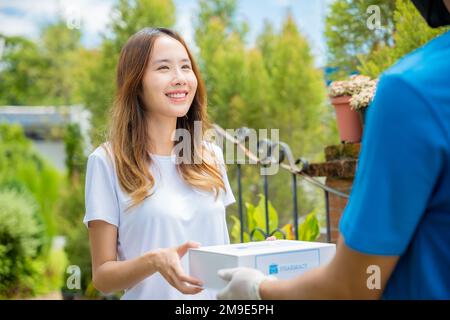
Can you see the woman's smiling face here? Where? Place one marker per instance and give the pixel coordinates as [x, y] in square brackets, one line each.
[169, 83]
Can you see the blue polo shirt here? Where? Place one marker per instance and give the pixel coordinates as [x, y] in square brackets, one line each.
[400, 201]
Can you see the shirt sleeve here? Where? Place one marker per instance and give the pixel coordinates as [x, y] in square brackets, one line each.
[400, 162]
[227, 197]
[100, 193]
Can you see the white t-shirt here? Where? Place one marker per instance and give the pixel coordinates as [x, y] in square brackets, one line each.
[174, 214]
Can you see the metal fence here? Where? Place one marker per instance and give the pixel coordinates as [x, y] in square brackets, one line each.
[270, 153]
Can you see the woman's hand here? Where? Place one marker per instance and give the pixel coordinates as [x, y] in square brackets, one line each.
[169, 266]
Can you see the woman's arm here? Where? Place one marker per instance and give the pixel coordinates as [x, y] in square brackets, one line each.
[110, 275]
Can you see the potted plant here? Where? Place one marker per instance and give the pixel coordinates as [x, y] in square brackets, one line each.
[348, 97]
[361, 100]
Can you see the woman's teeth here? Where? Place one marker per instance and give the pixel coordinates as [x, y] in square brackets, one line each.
[177, 95]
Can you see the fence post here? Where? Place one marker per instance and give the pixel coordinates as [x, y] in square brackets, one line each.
[294, 194]
[241, 215]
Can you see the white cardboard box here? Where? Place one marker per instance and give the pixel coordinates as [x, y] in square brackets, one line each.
[284, 259]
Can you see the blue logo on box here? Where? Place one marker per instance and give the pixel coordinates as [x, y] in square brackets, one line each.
[273, 269]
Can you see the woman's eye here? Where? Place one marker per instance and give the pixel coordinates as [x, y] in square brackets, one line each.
[186, 66]
[163, 67]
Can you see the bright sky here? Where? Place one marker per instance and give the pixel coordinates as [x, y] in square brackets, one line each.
[25, 17]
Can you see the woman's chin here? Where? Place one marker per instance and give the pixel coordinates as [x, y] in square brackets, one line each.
[179, 111]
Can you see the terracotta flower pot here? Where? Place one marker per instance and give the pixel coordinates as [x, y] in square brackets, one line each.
[362, 116]
[348, 120]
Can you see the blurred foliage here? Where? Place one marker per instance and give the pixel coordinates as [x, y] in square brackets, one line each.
[272, 85]
[20, 77]
[29, 193]
[55, 269]
[353, 47]
[75, 157]
[50, 71]
[20, 239]
[411, 32]
[78, 253]
[71, 208]
[348, 36]
[256, 224]
[21, 164]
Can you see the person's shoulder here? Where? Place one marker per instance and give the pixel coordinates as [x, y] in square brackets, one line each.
[427, 63]
[215, 150]
[212, 146]
[419, 81]
[102, 153]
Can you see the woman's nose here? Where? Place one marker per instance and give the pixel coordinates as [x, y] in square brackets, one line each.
[179, 78]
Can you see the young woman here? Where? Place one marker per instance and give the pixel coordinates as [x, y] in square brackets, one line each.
[144, 209]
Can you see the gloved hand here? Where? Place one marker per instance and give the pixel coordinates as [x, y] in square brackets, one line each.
[243, 283]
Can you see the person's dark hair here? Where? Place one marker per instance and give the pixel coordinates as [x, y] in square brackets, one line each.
[435, 12]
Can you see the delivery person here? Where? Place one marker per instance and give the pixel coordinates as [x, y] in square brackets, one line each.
[395, 232]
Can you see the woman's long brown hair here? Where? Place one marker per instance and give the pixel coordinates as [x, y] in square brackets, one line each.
[129, 124]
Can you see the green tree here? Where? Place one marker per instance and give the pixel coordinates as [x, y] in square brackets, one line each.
[411, 33]
[49, 71]
[297, 107]
[348, 36]
[220, 38]
[252, 107]
[20, 72]
[271, 85]
[20, 163]
[20, 238]
[132, 15]
[75, 158]
[298, 89]
[254, 87]
[71, 207]
[60, 47]
[266, 42]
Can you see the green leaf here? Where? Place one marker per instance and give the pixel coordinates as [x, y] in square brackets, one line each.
[273, 218]
[236, 231]
[257, 216]
[251, 223]
[260, 215]
[309, 230]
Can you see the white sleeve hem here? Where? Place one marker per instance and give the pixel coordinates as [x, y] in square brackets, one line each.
[95, 217]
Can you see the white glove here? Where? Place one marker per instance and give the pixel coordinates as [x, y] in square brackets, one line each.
[243, 283]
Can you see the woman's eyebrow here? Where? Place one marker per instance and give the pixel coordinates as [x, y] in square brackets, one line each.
[168, 61]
